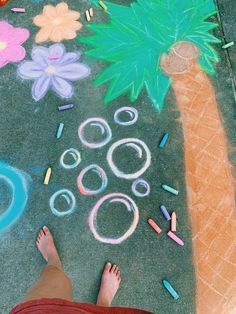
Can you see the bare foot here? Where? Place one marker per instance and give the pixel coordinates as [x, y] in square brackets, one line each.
[110, 283]
[47, 247]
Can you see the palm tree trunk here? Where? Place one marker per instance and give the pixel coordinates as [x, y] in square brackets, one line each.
[210, 183]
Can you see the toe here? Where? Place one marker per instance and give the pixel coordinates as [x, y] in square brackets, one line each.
[113, 268]
[108, 266]
[41, 233]
[46, 230]
[117, 271]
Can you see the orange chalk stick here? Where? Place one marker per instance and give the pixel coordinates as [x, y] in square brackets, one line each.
[173, 222]
[103, 5]
[154, 226]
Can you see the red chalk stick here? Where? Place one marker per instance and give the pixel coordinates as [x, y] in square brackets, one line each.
[154, 226]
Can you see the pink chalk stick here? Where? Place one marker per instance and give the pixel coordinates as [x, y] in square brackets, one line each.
[154, 226]
[20, 10]
[54, 57]
[175, 238]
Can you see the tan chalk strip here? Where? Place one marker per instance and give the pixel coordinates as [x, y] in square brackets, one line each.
[173, 222]
[87, 15]
[47, 176]
[103, 5]
[91, 12]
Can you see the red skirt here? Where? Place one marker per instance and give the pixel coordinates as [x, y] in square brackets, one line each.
[57, 306]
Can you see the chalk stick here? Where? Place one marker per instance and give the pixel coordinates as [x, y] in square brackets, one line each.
[18, 10]
[54, 57]
[170, 289]
[91, 12]
[164, 140]
[173, 222]
[60, 130]
[170, 189]
[87, 15]
[175, 238]
[47, 176]
[65, 107]
[154, 226]
[165, 212]
[103, 5]
[228, 45]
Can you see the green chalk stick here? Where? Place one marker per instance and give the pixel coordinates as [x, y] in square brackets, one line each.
[228, 45]
[169, 189]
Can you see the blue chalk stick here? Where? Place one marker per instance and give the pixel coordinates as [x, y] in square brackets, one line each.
[165, 213]
[164, 140]
[60, 130]
[170, 289]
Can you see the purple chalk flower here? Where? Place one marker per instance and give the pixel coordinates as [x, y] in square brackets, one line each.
[53, 73]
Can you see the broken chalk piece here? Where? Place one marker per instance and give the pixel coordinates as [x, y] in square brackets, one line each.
[169, 189]
[65, 107]
[228, 45]
[164, 140]
[87, 15]
[60, 130]
[103, 5]
[170, 289]
[18, 10]
[154, 226]
[54, 57]
[165, 212]
[47, 176]
[91, 12]
[175, 238]
[173, 222]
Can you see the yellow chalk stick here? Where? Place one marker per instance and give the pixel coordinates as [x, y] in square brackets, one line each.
[87, 15]
[173, 222]
[47, 176]
[103, 5]
[91, 11]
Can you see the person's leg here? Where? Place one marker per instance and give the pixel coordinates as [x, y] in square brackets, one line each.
[109, 285]
[53, 282]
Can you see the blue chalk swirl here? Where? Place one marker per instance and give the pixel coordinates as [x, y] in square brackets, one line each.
[17, 182]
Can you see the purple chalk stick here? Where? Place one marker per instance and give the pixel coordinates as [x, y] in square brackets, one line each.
[65, 107]
[165, 213]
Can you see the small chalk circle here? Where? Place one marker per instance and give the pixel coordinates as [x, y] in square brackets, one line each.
[65, 107]
[60, 130]
[164, 140]
[170, 289]
[87, 15]
[228, 45]
[47, 176]
[54, 57]
[154, 226]
[103, 5]
[173, 222]
[91, 12]
[165, 212]
[170, 189]
[175, 238]
[18, 10]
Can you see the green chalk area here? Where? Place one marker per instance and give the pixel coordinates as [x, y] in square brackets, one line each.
[28, 142]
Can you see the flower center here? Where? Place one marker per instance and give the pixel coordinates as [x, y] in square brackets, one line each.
[51, 70]
[3, 45]
[57, 21]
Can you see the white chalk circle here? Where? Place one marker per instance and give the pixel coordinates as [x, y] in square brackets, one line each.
[104, 128]
[144, 184]
[76, 156]
[137, 145]
[70, 199]
[133, 113]
[115, 198]
[100, 172]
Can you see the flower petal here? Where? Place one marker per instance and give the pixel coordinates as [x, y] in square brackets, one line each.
[74, 25]
[63, 88]
[57, 49]
[72, 15]
[73, 71]
[14, 53]
[29, 70]
[5, 27]
[40, 87]
[69, 57]
[41, 20]
[40, 56]
[62, 9]
[49, 11]
[18, 35]
[69, 33]
[56, 34]
[3, 61]
[43, 34]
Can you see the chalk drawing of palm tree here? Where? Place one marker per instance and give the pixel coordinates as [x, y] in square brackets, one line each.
[155, 44]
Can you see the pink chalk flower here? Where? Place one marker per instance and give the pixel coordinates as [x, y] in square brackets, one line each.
[11, 40]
